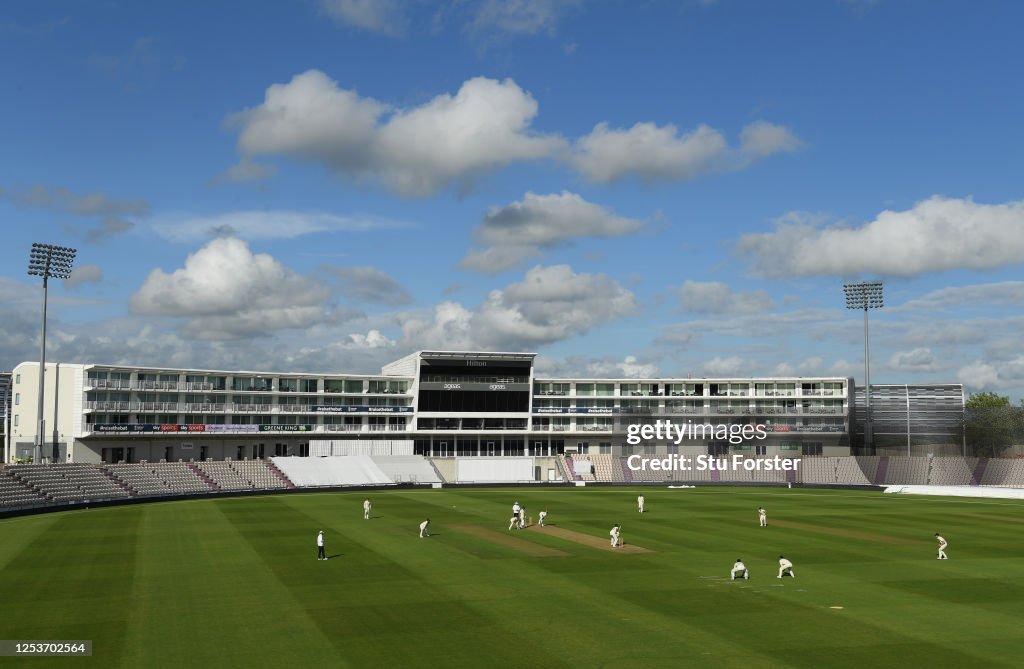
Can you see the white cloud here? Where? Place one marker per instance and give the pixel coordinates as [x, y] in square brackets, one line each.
[377, 16]
[572, 366]
[982, 375]
[518, 17]
[1005, 293]
[499, 258]
[251, 225]
[648, 151]
[110, 215]
[83, 274]
[761, 138]
[225, 291]
[843, 367]
[369, 284]
[455, 139]
[88, 204]
[629, 367]
[550, 304]
[661, 153]
[916, 360]
[810, 367]
[108, 226]
[726, 366]
[414, 152]
[523, 230]
[935, 235]
[713, 297]
[246, 170]
[372, 339]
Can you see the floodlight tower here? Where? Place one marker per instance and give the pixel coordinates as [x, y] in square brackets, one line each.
[865, 295]
[49, 262]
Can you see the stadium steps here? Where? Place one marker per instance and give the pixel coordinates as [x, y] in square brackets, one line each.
[567, 473]
[883, 467]
[567, 468]
[16, 492]
[627, 473]
[437, 471]
[110, 475]
[979, 471]
[869, 465]
[201, 474]
[284, 479]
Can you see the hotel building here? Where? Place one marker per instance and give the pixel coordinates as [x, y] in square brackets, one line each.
[433, 403]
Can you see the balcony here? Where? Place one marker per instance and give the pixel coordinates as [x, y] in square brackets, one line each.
[106, 405]
[111, 384]
[203, 408]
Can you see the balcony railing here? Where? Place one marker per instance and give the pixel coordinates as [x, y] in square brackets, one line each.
[108, 405]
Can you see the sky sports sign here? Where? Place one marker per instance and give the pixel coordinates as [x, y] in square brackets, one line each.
[193, 428]
[330, 408]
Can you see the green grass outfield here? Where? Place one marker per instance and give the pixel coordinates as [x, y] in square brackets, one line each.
[235, 582]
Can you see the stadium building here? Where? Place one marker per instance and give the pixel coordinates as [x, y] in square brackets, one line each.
[909, 419]
[434, 403]
[5, 409]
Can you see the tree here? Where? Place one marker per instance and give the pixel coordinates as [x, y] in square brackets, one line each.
[991, 423]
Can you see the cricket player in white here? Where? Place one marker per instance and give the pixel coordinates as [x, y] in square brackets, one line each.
[785, 567]
[513, 522]
[515, 509]
[640, 503]
[739, 568]
[423, 528]
[320, 554]
[942, 547]
[522, 517]
[541, 516]
[614, 534]
[762, 516]
[366, 509]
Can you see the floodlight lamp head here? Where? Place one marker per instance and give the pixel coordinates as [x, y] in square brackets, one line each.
[865, 295]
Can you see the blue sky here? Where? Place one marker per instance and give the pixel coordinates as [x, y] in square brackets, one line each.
[628, 189]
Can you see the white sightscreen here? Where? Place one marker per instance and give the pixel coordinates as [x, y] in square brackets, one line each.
[494, 470]
[581, 467]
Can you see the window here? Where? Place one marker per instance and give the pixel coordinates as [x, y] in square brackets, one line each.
[812, 448]
[16, 417]
[17, 399]
[17, 378]
[718, 448]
